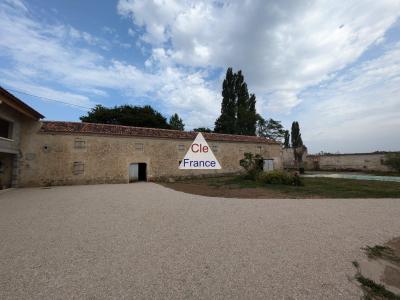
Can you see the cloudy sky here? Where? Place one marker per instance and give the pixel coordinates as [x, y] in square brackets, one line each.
[334, 66]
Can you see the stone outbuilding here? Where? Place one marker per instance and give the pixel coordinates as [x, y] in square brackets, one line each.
[14, 116]
[43, 153]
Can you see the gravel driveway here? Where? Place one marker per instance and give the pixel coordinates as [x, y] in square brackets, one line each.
[143, 241]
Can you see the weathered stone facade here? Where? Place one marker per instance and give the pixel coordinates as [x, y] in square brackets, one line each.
[50, 158]
[13, 115]
[62, 153]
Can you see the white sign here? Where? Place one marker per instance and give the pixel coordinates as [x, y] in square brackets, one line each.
[199, 156]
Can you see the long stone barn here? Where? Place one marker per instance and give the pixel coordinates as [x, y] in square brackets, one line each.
[44, 153]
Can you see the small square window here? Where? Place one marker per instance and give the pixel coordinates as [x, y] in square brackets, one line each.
[139, 146]
[214, 148]
[181, 147]
[78, 168]
[259, 148]
[79, 144]
[6, 129]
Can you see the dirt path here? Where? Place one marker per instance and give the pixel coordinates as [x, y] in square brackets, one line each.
[146, 241]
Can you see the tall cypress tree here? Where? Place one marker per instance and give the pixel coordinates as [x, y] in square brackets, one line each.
[242, 95]
[296, 135]
[226, 123]
[251, 116]
[286, 140]
[238, 109]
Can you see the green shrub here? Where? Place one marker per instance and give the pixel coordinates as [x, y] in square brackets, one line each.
[393, 160]
[253, 164]
[280, 177]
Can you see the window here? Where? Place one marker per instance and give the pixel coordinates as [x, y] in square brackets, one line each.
[259, 148]
[181, 147]
[214, 148]
[79, 144]
[139, 146]
[6, 129]
[78, 168]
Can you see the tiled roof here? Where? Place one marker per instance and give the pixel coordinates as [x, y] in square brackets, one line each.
[119, 130]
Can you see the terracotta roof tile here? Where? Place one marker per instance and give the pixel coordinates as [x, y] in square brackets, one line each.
[119, 130]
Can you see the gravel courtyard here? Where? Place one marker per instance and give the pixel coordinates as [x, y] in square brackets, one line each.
[143, 241]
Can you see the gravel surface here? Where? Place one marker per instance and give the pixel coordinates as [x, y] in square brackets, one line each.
[143, 241]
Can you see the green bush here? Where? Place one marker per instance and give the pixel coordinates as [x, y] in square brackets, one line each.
[393, 160]
[280, 177]
[253, 164]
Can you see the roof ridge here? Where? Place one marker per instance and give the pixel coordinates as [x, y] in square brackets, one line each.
[99, 128]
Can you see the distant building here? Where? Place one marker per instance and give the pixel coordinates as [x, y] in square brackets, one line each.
[41, 153]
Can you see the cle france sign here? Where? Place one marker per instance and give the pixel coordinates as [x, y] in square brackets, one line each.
[199, 156]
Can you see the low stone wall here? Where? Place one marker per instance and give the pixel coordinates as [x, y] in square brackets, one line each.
[288, 158]
[347, 162]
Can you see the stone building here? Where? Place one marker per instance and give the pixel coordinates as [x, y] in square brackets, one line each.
[14, 115]
[59, 153]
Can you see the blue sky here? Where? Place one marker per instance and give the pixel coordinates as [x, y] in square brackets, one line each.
[334, 67]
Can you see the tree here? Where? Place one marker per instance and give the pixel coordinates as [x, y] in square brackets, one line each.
[298, 148]
[253, 164]
[242, 96]
[227, 120]
[251, 124]
[296, 135]
[202, 129]
[127, 115]
[286, 142]
[176, 123]
[270, 129]
[238, 108]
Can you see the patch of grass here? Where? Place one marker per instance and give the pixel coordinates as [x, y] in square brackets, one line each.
[312, 188]
[371, 289]
[383, 252]
[320, 187]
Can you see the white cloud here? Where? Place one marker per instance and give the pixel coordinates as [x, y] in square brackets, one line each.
[283, 47]
[359, 110]
[280, 46]
[45, 54]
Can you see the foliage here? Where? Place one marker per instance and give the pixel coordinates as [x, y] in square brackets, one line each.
[280, 177]
[286, 140]
[296, 135]
[226, 122]
[393, 160]
[313, 188]
[127, 115]
[202, 129]
[238, 108]
[176, 123]
[253, 164]
[270, 129]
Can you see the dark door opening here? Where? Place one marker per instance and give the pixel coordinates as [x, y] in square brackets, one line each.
[142, 172]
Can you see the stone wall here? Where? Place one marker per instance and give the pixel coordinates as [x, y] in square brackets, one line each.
[288, 158]
[347, 162]
[59, 159]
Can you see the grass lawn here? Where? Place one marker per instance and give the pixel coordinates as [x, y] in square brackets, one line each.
[238, 187]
